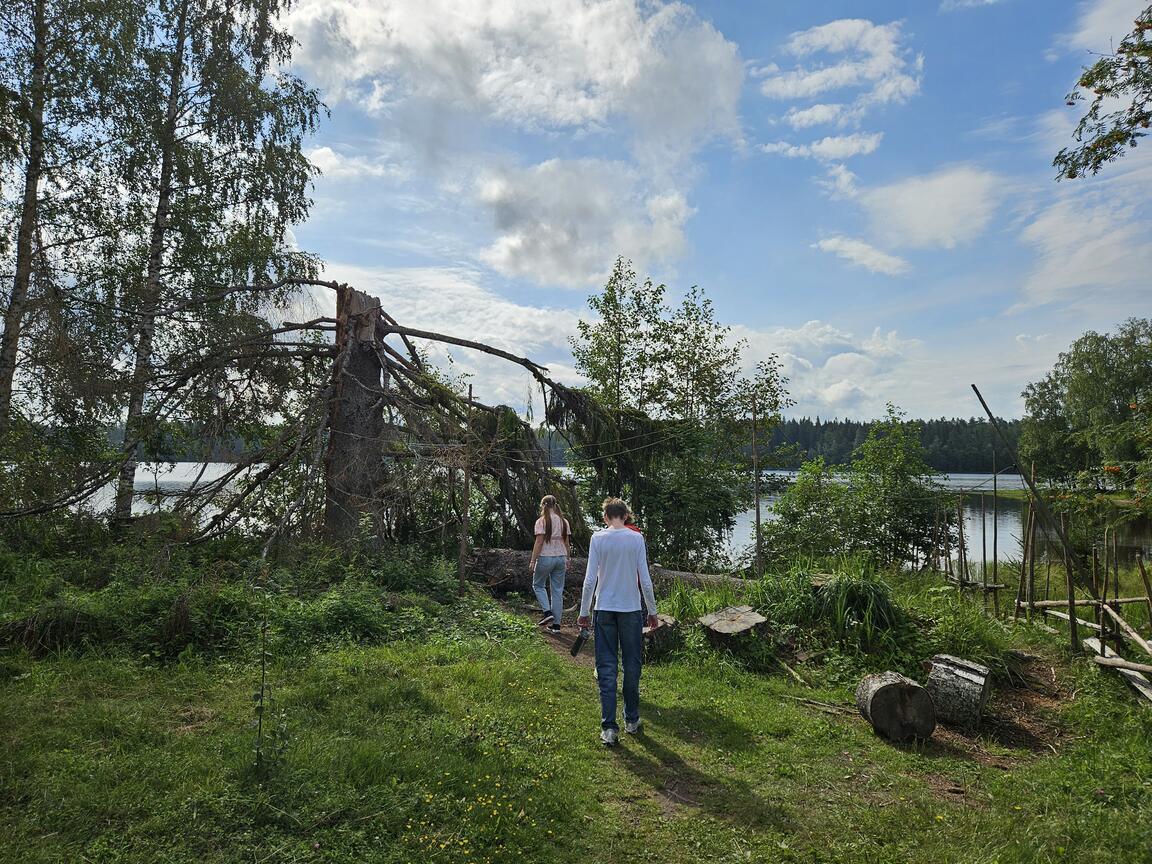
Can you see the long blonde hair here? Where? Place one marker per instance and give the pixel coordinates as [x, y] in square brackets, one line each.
[550, 507]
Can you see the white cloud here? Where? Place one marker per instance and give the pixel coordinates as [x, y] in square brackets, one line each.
[564, 221]
[335, 165]
[943, 209]
[841, 182]
[566, 64]
[1101, 24]
[833, 372]
[813, 115]
[1090, 250]
[873, 59]
[1027, 340]
[861, 254]
[952, 5]
[830, 148]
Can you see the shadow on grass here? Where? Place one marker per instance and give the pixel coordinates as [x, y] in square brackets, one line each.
[700, 724]
[678, 784]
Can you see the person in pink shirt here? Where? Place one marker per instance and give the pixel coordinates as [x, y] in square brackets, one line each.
[549, 561]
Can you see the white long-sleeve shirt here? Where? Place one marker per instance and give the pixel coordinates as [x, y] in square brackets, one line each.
[615, 557]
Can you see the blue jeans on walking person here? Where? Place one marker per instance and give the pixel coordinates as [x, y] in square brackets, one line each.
[550, 569]
[623, 632]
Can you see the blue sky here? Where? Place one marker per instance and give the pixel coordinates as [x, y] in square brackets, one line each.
[863, 188]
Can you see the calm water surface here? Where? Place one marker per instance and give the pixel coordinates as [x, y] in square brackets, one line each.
[980, 531]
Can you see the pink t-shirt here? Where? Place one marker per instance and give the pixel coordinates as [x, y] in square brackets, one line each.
[555, 546]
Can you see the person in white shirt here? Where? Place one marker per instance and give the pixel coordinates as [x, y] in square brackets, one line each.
[616, 557]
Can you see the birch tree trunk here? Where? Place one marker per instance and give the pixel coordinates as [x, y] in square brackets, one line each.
[29, 212]
[153, 288]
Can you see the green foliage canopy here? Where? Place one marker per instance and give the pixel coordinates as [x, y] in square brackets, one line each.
[1107, 129]
[1090, 417]
[670, 380]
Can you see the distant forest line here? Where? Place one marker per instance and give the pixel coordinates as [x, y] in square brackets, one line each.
[951, 445]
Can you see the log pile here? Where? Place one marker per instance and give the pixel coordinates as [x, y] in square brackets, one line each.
[898, 708]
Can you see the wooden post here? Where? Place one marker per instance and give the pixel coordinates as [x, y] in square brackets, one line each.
[756, 486]
[1021, 584]
[995, 532]
[984, 552]
[465, 505]
[961, 549]
[935, 555]
[1032, 567]
[1073, 621]
[1100, 619]
[1147, 584]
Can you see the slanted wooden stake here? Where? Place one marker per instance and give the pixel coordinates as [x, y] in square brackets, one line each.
[897, 707]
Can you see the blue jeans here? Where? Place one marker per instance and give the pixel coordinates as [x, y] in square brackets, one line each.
[550, 568]
[623, 631]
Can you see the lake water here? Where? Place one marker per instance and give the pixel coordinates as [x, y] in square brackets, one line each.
[160, 478]
[978, 530]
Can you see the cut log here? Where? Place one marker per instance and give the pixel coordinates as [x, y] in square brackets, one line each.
[731, 625]
[959, 689]
[898, 708]
[1137, 681]
[662, 639]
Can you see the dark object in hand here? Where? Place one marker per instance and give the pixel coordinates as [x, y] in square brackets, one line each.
[580, 640]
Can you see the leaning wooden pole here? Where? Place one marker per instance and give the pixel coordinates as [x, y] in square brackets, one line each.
[1046, 516]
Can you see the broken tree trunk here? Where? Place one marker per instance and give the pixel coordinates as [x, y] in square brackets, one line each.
[898, 708]
[732, 625]
[959, 690]
[356, 422]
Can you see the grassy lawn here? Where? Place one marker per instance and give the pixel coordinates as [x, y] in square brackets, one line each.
[485, 748]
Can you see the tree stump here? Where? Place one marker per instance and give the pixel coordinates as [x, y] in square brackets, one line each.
[663, 639]
[897, 707]
[959, 689]
[732, 625]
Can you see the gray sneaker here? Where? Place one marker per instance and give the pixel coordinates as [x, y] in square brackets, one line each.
[609, 737]
[632, 728]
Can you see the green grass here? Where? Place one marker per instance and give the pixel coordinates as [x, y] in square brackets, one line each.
[471, 740]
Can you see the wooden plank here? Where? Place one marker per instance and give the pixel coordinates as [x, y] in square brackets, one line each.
[1138, 682]
[1060, 604]
[1064, 617]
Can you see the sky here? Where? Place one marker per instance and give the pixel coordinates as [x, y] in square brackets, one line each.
[862, 188]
